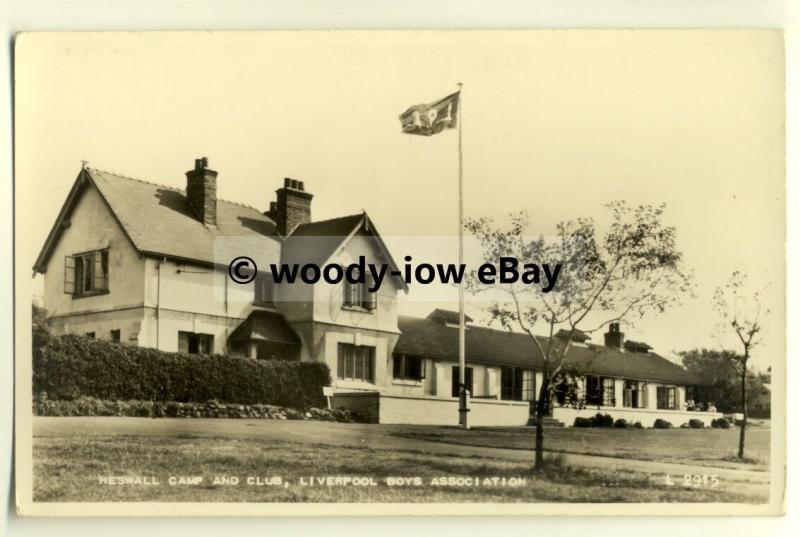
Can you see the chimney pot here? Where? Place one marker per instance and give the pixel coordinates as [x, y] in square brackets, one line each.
[300, 185]
[287, 182]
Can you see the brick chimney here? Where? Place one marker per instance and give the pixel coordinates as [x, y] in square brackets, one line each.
[614, 338]
[201, 191]
[293, 206]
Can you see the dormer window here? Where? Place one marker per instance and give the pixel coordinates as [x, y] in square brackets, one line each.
[449, 318]
[358, 295]
[86, 274]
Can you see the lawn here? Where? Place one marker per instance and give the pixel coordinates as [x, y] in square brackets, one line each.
[705, 447]
[70, 468]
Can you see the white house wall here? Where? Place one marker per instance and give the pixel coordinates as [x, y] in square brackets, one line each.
[92, 226]
[328, 299]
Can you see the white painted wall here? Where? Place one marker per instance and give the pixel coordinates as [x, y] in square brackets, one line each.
[444, 411]
[645, 416]
[93, 227]
[328, 299]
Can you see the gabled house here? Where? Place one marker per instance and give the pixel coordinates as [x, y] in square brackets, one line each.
[146, 264]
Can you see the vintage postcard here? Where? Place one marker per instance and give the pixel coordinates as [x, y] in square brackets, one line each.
[400, 272]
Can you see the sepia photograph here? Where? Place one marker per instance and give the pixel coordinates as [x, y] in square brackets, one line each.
[524, 272]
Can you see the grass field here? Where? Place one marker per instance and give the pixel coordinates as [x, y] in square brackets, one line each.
[70, 468]
[706, 447]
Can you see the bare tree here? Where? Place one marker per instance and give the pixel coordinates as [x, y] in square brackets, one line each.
[629, 271]
[741, 310]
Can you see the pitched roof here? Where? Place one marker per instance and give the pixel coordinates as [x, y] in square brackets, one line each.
[158, 219]
[425, 337]
[431, 338]
[265, 326]
[316, 242]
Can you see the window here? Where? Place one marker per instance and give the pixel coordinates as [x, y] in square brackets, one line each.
[633, 394]
[467, 381]
[193, 343]
[665, 397]
[264, 290]
[599, 391]
[408, 367]
[115, 336]
[517, 384]
[86, 274]
[358, 295]
[356, 362]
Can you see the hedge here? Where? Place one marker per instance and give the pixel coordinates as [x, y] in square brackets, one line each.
[68, 367]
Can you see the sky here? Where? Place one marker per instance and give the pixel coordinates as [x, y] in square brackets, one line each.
[555, 122]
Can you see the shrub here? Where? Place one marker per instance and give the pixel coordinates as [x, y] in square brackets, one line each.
[603, 420]
[582, 422]
[68, 367]
[638, 425]
[720, 423]
[696, 424]
[89, 406]
[661, 424]
[621, 423]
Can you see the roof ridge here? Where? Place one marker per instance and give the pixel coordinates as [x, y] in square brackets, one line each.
[331, 219]
[135, 179]
[175, 189]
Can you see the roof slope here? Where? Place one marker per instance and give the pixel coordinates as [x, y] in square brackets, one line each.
[158, 219]
[425, 337]
[265, 326]
[315, 242]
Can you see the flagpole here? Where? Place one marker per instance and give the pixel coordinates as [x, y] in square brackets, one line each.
[463, 399]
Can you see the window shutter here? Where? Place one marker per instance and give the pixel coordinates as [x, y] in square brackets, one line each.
[372, 300]
[104, 257]
[422, 368]
[348, 290]
[69, 275]
[397, 367]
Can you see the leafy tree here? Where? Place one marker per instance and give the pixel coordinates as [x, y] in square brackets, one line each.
[630, 270]
[719, 381]
[41, 322]
[740, 311]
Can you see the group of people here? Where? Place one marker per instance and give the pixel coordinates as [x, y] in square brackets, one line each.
[708, 407]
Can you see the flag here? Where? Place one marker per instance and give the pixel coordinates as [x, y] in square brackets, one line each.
[428, 119]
